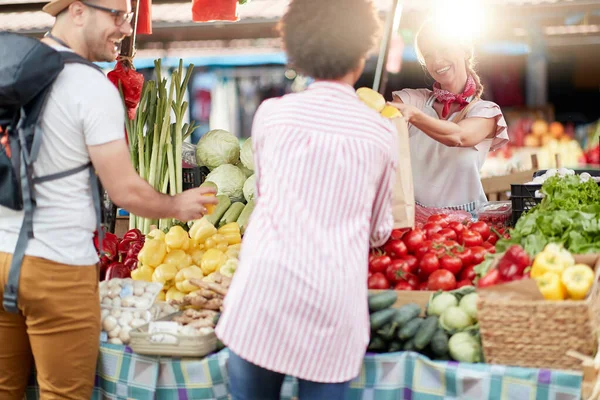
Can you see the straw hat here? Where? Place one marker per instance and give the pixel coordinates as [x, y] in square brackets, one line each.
[56, 6]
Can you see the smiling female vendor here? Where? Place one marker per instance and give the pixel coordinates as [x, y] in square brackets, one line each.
[447, 156]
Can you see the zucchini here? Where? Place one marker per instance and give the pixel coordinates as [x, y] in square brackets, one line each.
[426, 332]
[244, 217]
[406, 313]
[377, 344]
[210, 185]
[395, 346]
[388, 331]
[439, 343]
[380, 318]
[383, 300]
[410, 329]
[223, 205]
[409, 346]
[232, 214]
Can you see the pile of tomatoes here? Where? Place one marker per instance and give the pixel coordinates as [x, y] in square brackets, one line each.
[441, 255]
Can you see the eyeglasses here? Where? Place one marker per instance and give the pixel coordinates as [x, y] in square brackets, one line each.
[120, 16]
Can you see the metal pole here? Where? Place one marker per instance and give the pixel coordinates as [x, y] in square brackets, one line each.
[392, 21]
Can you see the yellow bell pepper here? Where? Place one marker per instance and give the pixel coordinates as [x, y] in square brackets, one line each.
[196, 256]
[578, 280]
[153, 253]
[233, 251]
[142, 273]
[229, 268]
[212, 260]
[209, 277]
[165, 274]
[561, 253]
[182, 280]
[201, 230]
[174, 294]
[161, 296]
[551, 287]
[178, 258]
[390, 112]
[177, 238]
[231, 232]
[547, 262]
[215, 241]
[156, 234]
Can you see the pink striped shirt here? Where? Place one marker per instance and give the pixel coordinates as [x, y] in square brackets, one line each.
[325, 164]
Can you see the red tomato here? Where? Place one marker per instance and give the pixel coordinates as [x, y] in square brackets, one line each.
[378, 281]
[492, 239]
[450, 244]
[413, 240]
[440, 219]
[396, 270]
[489, 247]
[423, 286]
[479, 253]
[412, 263]
[470, 238]
[448, 233]
[431, 228]
[465, 254]
[441, 280]
[437, 238]
[395, 248]
[425, 247]
[457, 227]
[379, 263]
[468, 273]
[369, 274]
[429, 263]
[451, 263]
[398, 233]
[403, 285]
[463, 282]
[482, 228]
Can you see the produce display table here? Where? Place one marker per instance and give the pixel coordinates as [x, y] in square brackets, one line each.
[123, 374]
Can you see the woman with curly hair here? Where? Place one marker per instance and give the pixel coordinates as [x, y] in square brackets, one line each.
[451, 128]
[324, 165]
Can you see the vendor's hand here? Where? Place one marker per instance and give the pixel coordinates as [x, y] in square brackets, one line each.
[408, 111]
[191, 204]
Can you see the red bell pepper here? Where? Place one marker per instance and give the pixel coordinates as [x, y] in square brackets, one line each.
[513, 263]
[117, 270]
[134, 234]
[131, 263]
[490, 279]
[134, 249]
[104, 263]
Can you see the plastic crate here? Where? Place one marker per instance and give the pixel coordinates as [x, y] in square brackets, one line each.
[193, 177]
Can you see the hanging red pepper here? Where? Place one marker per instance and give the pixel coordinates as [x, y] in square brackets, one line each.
[214, 10]
[132, 83]
[144, 18]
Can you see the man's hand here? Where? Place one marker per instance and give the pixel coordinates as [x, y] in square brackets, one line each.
[191, 204]
[408, 111]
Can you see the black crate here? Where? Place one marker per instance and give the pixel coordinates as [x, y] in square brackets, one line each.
[193, 177]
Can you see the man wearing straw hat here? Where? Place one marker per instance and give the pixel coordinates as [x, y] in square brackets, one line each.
[58, 319]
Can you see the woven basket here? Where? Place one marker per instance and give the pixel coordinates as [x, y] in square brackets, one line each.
[539, 333]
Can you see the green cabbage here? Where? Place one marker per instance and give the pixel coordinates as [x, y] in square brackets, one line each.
[469, 305]
[455, 319]
[216, 148]
[245, 170]
[440, 303]
[464, 348]
[230, 181]
[246, 155]
[249, 188]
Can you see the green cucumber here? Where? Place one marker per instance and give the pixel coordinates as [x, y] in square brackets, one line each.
[244, 217]
[383, 300]
[380, 318]
[426, 332]
[410, 329]
[407, 313]
[377, 344]
[388, 331]
[409, 346]
[395, 346]
[232, 214]
[439, 343]
[221, 208]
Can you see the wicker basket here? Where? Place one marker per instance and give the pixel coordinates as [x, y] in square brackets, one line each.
[184, 346]
[539, 333]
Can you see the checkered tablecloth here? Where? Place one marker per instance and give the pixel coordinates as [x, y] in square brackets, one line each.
[123, 374]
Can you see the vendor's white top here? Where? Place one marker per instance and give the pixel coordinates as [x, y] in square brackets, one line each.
[325, 164]
[449, 176]
[84, 109]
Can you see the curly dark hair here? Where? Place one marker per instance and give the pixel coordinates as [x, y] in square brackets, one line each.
[326, 39]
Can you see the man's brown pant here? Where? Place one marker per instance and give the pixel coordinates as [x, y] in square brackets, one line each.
[59, 325]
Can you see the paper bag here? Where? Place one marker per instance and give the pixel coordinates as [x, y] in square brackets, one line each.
[403, 197]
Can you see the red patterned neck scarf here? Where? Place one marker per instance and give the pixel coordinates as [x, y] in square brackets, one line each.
[447, 98]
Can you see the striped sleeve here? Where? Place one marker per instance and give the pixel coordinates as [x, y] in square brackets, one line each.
[382, 220]
[258, 127]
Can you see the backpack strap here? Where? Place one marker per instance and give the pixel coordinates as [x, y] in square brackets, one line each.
[25, 168]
